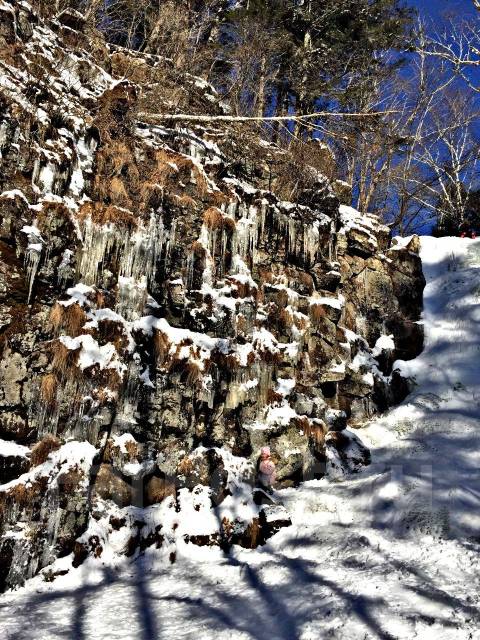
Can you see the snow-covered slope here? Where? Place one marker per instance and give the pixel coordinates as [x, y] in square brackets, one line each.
[391, 552]
[163, 301]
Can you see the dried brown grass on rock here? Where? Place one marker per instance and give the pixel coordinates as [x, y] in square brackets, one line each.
[241, 324]
[55, 319]
[158, 489]
[285, 319]
[252, 534]
[48, 389]
[243, 289]
[105, 214]
[113, 157]
[114, 112]
[74, 317]
[117, 193]
[112, 451]
[273, 397]
[217, 198]
[99, 299]
[110, 485]
[151, 195]
[71, 318]
[185, 466]
[69, 481]
[198, 250]
[113, 331]
[305, 279]
[24, 495]
[106, 379]
[64, 360]
[201, 182]
[213, 218]
[170, 168]
[317, 312]
[161, 346]
[50, 214]
[313, 430]
[183, 201]
[190, 372]
[43, 449]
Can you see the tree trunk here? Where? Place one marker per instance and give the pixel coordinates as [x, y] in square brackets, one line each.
[262, 79]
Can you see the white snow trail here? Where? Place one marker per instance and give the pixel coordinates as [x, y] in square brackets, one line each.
[390, 553]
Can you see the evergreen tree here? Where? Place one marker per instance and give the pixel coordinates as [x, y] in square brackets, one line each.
[309, 52]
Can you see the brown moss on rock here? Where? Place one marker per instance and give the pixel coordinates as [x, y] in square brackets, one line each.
[43, 449]
[158, 488]
[64, 359]
[110, 485]
[48, 389]
[102, 214]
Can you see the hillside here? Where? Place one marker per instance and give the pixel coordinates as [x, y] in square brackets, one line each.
[166, 312]
[391, 552]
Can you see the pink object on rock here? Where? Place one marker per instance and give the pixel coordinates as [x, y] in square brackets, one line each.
[265, 452]
[266, 469]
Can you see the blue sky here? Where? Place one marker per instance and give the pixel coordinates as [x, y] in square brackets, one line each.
[436, 8]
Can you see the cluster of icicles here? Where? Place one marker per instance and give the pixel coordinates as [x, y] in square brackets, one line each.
[138, 254]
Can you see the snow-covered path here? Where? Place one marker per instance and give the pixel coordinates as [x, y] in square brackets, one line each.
[392, 552]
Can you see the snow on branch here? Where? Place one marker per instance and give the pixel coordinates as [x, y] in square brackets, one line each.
[185, 117]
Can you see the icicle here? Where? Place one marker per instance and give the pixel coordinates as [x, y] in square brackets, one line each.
[83, 164]
[138, 254]
[263, 215]
[32, 255]
[129, 398]
[46, 178]
[64, 268]
[132, 297]
[24, 563]
[292, 235]
[97, 241]
[265, 374]
[32, 260]
[207, 391]
[51, 514]
[190, 266]
[332, 247]
[311, 239]
[245, 238]
[239, 388]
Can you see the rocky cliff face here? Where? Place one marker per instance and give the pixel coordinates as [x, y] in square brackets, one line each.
[163, 313]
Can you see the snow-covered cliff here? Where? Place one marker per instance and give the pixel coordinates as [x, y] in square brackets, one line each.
[163, 314]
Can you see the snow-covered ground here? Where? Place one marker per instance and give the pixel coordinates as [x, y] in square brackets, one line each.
[392, 552]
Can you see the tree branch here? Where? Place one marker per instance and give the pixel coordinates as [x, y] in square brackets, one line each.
[185, 117]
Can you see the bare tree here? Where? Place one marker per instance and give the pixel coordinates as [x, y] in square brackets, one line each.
[418, 161]
[459, 46]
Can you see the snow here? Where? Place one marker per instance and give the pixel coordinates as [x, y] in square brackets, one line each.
[91, 353]
[280, 415]
[285, 386]
[384, 343]
[31, 230]
[145, 378]
[390, 552]
[78, 294]
[336, 303]
[71, 454]
[178, 335]
[122, 440]
[8, 449]
[12, 194]
[400, 243]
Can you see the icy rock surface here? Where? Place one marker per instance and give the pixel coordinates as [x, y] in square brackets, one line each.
[391, 552]
[148, 289]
